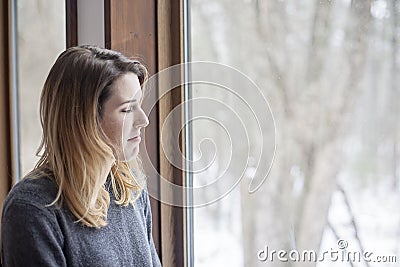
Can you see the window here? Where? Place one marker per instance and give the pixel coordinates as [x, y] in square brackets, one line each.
[35, 56]
[329, 72]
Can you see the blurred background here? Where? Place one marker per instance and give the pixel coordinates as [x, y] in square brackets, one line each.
[330, 72]
[38, 47]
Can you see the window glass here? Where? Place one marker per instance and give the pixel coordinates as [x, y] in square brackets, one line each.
[41, 37]
[329, 72]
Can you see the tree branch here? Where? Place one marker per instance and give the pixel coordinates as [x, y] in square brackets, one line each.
[353, 221]
[337, 237]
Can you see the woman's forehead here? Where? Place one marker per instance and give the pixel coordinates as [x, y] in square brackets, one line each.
[127, 87]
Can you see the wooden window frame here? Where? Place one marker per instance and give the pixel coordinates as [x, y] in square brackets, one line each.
[6, 132]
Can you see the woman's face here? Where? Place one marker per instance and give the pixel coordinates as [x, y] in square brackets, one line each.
[123, 117]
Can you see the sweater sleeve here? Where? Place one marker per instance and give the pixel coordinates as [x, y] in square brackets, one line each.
[154, 255]
[30, 236]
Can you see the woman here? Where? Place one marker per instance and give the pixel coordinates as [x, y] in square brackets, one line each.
[82, 205]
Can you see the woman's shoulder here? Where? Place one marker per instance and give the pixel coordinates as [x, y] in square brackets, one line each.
[38, 192]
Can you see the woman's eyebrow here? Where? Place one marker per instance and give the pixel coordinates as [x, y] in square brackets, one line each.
[128, 101]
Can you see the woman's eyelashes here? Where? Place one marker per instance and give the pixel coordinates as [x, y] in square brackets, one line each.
[129, 109]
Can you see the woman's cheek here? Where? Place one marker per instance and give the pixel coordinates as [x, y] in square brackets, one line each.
[115, 131]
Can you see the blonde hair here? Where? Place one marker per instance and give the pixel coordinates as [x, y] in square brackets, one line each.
[74, 146]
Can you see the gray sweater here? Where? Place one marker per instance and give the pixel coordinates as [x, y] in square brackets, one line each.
[36, 235]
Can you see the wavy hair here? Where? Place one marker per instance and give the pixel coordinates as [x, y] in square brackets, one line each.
[74, 147]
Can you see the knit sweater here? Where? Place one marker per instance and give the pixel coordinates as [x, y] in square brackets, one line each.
[34, 234]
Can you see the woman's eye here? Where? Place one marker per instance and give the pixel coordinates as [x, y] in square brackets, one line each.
[130, 109]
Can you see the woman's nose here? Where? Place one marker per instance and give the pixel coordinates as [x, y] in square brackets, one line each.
[142, 120]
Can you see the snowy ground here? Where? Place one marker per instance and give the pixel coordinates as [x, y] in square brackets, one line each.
[375, 212]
